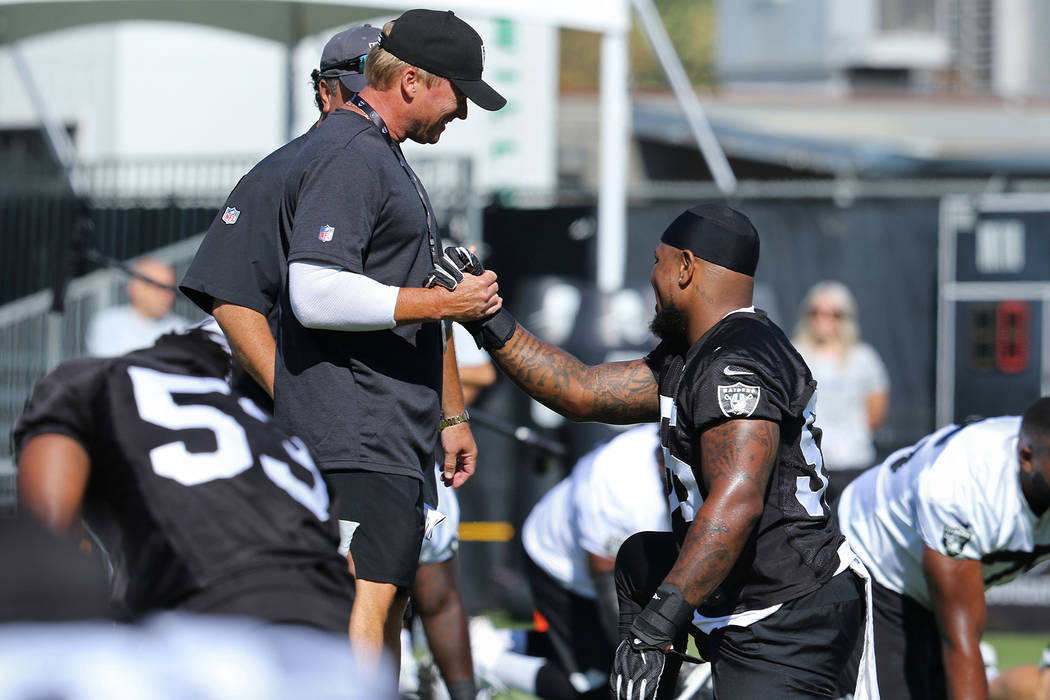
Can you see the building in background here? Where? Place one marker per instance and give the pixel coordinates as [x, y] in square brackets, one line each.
[162, 100]
[985, 47]
[866, 89]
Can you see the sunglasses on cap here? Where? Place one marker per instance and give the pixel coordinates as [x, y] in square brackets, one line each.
[354, 65]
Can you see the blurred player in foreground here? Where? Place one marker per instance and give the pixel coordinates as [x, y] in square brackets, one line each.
[177, 656]
[198, 500]
[756, 563]
[1026, 682]
[571, 538]
[963, 509]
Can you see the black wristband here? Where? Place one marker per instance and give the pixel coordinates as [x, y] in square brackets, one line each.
[663, 618]
[492, 332]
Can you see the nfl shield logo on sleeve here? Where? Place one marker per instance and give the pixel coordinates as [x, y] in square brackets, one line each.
[738, 400]
[326, 233]
[230, 215]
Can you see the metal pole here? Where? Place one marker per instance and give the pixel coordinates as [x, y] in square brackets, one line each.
[714, 156]
[57, 139]
[295, 35]
[289, 91]
[612, 184]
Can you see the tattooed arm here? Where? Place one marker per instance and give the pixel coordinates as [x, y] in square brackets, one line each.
[737, 458]
[614, 392]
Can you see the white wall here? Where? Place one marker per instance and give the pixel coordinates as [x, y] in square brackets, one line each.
[154, 90]
[516, 147]
[74, 71]
[165, 90]
[1021, 66]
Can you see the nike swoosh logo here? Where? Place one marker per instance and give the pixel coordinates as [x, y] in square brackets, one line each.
[735, 371]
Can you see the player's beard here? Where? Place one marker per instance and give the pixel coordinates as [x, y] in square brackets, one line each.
[670, 324]
[1040, 490]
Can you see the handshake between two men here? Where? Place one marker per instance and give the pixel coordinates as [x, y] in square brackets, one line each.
[490, 332]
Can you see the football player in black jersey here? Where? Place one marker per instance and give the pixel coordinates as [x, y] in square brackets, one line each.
[199, 501]
[755, 564]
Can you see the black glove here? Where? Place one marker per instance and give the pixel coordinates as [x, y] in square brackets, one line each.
[640, 659]
[448, 272]
[636, 672]
[491, 332]
[464, 259]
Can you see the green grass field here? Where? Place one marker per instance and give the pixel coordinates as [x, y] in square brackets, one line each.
[1016, 649]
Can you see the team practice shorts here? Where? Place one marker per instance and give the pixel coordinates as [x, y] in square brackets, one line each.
[381, 519]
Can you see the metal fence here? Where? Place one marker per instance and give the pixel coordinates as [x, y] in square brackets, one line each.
[132, 207]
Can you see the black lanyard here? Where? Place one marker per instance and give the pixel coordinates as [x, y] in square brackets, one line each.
[377, 121]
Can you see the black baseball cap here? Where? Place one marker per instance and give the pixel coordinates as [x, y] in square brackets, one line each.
[443, 44]
[344, 56]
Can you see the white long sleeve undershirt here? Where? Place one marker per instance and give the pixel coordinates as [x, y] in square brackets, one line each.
[329, 297]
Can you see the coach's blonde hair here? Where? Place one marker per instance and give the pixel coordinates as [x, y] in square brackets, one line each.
[383, 69]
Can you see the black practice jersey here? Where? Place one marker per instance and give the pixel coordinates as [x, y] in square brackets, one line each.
[197, 497]
[242, 258]
[744, 368]
[368, 400]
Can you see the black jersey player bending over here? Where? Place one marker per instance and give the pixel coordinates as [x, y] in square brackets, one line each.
[754, 562]
[199, 500]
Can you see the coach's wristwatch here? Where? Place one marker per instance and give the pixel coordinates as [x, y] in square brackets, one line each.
[454, 420]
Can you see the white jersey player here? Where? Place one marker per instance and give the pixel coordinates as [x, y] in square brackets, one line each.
[571, 539]
[610, 495]
[937, 523]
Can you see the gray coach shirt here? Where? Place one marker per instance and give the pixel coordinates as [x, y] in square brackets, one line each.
[363, 400]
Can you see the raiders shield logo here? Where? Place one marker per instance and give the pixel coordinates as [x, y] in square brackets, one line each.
[738, 400]
[955, 538]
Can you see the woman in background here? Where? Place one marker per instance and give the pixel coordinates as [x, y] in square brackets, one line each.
[852, 386]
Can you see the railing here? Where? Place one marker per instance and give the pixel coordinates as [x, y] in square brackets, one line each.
[203, 181]
[132, 207]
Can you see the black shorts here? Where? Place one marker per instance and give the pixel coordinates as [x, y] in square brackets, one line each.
[574, 624]
[907, 648]
[799, 651]
[388, 510]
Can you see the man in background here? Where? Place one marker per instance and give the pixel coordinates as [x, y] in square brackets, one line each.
[146, 316]
[239, 270]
